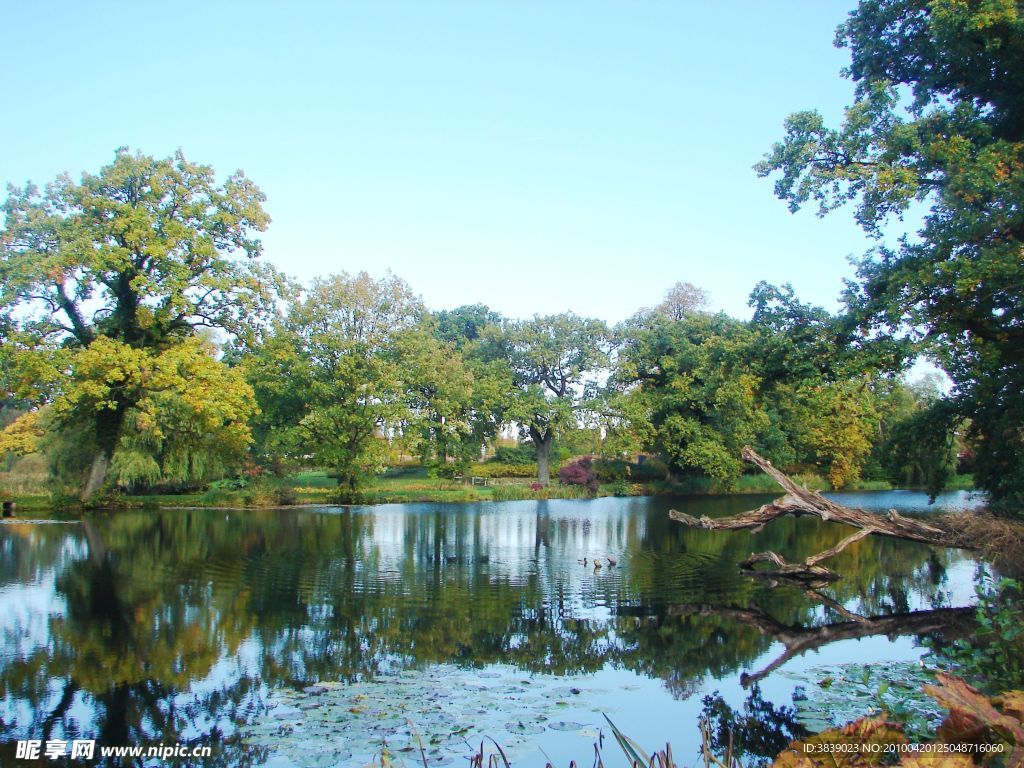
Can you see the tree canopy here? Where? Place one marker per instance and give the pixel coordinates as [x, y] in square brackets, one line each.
[550, 359]
[329, 380]
[144, 345]
[936, 120]
[689, 390]
[103, 285]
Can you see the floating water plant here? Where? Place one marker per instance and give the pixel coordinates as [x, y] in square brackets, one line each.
[836, 694]
[441, 714]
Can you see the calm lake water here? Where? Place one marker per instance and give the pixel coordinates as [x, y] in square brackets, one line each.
[315, 636]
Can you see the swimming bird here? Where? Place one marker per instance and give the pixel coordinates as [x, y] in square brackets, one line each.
[611, 562]
[597, 564]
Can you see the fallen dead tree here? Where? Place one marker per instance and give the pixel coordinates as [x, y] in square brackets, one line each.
[800, 501]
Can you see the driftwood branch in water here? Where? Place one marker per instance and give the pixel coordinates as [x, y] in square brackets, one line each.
[798, 640]
[807, 572]
[802, 501]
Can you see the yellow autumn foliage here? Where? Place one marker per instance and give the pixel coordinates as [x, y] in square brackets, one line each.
[22, 435]
[190, 414]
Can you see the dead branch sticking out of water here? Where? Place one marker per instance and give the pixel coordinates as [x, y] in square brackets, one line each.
[800, 501]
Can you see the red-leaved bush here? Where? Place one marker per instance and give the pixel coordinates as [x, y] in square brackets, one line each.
[579, 472]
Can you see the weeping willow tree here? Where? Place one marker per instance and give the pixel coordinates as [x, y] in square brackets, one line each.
[189, 421]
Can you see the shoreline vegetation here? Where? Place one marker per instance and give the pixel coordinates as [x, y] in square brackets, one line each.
[412, 484]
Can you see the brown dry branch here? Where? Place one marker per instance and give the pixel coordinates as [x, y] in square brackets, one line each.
[800, 501]
[997, 539]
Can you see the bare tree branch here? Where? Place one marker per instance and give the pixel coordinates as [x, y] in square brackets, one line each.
[802, 501]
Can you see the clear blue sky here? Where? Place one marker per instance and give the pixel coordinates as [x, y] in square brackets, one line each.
[534, 156]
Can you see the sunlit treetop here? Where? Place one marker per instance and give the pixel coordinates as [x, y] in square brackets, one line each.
[143, 252]
[949, 52]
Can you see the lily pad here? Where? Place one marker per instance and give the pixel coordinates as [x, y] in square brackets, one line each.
[855, 690]
[523, 727]
[565, 725]
[442, 708]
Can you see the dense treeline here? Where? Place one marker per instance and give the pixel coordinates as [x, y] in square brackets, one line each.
[144, 343]
[112, 370]
[355, 366]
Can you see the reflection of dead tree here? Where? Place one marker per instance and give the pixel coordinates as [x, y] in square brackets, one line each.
[801, 501]
[839, 608]
[798, 639]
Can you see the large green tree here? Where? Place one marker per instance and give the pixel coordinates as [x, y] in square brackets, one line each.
[103, 285]
[456, 399]
[331, 382]
[822, 384]
[551, 360]
[464, 325]
[688, 391]
[938, 119]
[795, 381]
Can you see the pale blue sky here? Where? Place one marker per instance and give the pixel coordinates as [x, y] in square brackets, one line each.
[534, 156]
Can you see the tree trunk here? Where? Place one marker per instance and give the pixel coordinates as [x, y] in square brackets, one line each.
[108, 425]
[542, 442]
[97, 474]
[442, 444]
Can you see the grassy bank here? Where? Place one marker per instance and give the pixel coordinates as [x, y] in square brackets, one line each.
[415, 484]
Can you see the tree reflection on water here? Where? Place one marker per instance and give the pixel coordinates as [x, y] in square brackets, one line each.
[172, 626]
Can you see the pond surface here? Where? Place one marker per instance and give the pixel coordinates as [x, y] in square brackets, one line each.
[317, 636]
